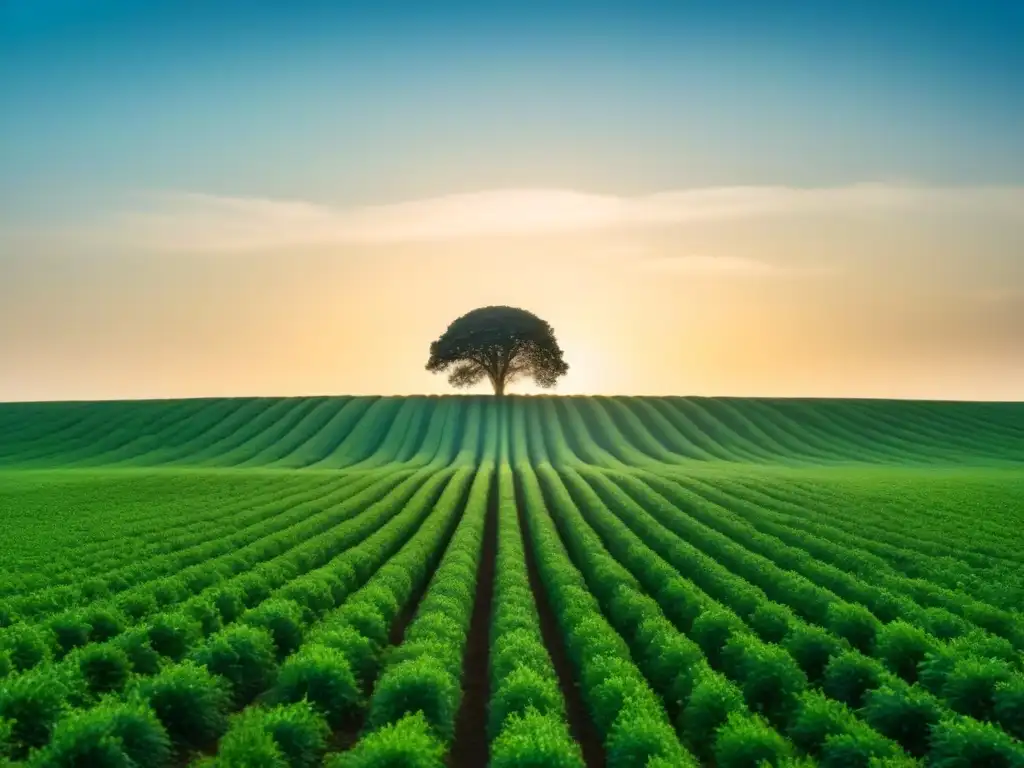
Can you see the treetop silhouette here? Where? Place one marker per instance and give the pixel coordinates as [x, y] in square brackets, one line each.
[502, 343]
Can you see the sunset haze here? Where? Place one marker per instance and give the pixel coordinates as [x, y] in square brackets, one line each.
[292, 199]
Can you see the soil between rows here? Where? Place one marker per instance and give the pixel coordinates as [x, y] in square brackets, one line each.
[470, 746]
[344, 738]
[581, 726]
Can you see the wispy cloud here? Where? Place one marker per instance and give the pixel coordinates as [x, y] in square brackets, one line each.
[214, 223]
[727, 266]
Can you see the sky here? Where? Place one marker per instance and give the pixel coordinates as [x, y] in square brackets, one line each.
[729, 198]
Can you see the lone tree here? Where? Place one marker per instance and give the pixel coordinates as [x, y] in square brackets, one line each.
[501, 343]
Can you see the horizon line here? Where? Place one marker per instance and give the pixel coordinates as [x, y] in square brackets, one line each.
[491, 396]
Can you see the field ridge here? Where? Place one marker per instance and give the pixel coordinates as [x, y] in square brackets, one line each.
[368, 432]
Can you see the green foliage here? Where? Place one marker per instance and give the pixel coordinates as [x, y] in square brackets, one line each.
[971, 685]
[812, 648]
[419, 685]
[772, 621]
[114, 734]
[713, 700]
[860, 747]
[298, 734]
[902, 647]
[498, 343]
[191, 703]
[849, 676]
[136, 604]
[242, 655]
[168, 591]
[747, 740]
[894, 761]
[965, 743]
[816, 718]
[522, 690]
[1009, 706]
[855, 623]
[71, 631]
[247, 744]
[622, 704]
[105, 622]
[641, 734]
[283, 619]
[313, 594]
[516, 648]
[942, 624]
[408, 743]
[105, 668]
[612, 683]
[381, 598]
[253, 588]
[904, 714]
[174, 634]
[526, 717]
[713, 629]
[367, 620]
[323, 676]
[204, 610]
[770, 678]
[687, 577]
[27, 646]
[676, 599]
[6, 727]
[32, 703]
[533, 739]
[228, 602]
[672, 658]
[135, 643]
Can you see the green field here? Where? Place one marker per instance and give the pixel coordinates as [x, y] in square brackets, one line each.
[525, 581]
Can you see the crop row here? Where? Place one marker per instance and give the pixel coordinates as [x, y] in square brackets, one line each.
[933, 524]
[338, 662]
[949, 547]
[438, 450]
[975, 511]
[191, 549]
[145, 505]
[327, 646]
[367, 431]
[735, 718]
[938, 568]
[242, 576]
[614, 434]
[822, 657]
[760, 558]
[283, 609]
[209, 563]
[527, 713]
[627, 714]
[836, 551]
[424, 673]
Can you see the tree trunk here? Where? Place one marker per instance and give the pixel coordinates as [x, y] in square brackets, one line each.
[499, 387]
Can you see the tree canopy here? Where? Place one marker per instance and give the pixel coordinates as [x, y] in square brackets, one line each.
[501, 343]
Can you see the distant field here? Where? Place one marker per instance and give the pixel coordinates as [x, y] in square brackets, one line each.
[365, 432]
[542, 581]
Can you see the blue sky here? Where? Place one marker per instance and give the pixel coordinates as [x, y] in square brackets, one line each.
[400, 100]
[147, 138]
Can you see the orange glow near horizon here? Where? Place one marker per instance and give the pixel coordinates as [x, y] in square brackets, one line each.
[793, 304]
